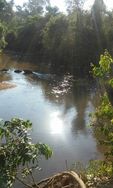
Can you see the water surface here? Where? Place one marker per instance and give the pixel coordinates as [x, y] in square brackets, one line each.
[58, 107]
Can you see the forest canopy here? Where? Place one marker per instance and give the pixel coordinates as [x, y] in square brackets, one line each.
[68, 42]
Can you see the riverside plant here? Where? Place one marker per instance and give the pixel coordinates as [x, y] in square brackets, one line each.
[102, 119]
[19, 157]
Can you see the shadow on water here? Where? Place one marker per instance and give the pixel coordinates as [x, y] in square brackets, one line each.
[58, 106]
[81, 98]
[76, 95]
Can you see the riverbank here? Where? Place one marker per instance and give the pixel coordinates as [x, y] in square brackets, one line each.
[6, 85]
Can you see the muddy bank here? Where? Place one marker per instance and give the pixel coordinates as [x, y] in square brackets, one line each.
[6, 85]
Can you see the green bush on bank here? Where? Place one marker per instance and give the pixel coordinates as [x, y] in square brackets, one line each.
[102, 119]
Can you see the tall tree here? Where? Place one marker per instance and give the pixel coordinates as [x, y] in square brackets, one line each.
[52, 11]
[98, 13]
[74, 5]
[6, 10]
[35, 7]
[2, 36]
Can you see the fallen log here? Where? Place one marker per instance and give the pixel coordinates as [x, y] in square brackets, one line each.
[67, 179]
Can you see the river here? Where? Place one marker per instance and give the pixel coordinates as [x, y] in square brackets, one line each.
[58, 107]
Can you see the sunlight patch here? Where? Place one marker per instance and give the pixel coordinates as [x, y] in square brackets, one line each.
[56, 124]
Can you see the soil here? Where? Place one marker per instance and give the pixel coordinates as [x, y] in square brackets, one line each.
[6, 85]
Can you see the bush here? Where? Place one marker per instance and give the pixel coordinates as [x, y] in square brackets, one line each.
[18, 155]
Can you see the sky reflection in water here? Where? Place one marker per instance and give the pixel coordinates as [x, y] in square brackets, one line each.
[59, 111]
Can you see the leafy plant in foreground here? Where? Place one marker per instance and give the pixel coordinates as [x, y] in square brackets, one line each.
[105, 66]
[18, 155]
[103, 116]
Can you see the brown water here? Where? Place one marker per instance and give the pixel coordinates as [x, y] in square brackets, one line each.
[58, 107]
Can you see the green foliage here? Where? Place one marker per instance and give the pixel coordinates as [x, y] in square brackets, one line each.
[2, 36]
[98, 168]
[54, 32]
[18, 155]
[63, 39]
[104, 126]
[52, 11]
[6, 11]
[69, 42]
[6, 14]
[95, 172]
[73, 5]
[104, 67]
[36, 7]
[103, 116]
[105, 110]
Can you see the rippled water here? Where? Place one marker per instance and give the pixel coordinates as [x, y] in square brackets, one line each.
[58, 107]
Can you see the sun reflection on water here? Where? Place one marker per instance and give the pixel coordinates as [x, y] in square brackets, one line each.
[56, 124]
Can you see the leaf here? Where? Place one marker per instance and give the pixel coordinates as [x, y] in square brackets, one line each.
[45, 150]
[18, 149]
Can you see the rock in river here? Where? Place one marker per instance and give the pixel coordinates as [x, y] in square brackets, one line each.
[27, 71]
[17, 71]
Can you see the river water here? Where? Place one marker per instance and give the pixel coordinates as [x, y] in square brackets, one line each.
[58, 107]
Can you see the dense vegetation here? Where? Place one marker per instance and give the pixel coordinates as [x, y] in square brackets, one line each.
[102, 119]
[67, 42]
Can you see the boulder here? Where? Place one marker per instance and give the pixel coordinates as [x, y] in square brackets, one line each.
[17, 71]
[28, 72]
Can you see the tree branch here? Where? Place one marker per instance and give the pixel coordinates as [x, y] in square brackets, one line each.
[20, 180]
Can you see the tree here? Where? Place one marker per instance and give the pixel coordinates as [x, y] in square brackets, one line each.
[54, 36]
[35, 7]
[2, 36]
[73, 5]
[6, 10]
[18, 155]
[74, 40]
[52, 11]
[98, 13]
[103, 116]
[108, 30]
